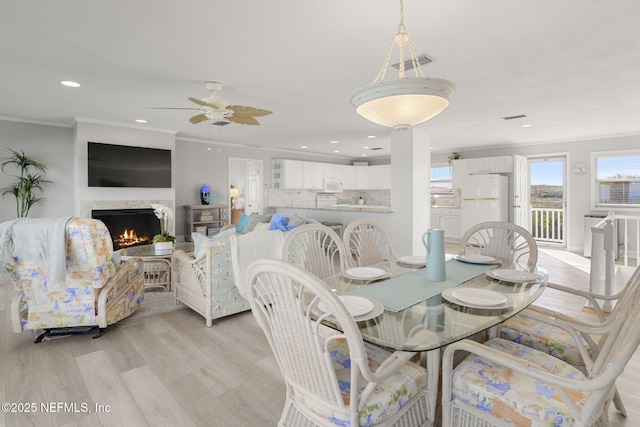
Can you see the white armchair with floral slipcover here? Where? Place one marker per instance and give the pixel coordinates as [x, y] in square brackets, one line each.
[66, 279]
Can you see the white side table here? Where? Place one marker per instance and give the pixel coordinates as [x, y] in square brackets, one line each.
[157, 266]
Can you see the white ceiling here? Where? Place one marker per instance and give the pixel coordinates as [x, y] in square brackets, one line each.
[572, 66]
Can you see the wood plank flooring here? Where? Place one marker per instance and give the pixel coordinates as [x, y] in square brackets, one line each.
[171, 370]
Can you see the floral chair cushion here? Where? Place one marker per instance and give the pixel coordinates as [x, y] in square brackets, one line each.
[514, 397]
[544, 337]
[388, 397]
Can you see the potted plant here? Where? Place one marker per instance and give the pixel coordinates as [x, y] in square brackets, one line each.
[453, 156]
[164, 240]
[31, 179]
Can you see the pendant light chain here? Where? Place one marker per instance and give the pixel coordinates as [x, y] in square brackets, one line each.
[401, 37]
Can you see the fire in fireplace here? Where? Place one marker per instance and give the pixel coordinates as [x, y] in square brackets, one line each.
[129, 227]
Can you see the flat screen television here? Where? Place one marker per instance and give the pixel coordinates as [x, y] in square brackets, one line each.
[111, 165]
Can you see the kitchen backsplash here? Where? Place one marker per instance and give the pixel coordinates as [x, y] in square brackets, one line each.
[307, 198]
[448, 202]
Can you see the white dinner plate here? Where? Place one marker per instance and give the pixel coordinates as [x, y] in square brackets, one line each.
[364, 273]
[357, 306]
[516, 276]
[413, 259]
[481, 297]
[476, 259]
[448, 295]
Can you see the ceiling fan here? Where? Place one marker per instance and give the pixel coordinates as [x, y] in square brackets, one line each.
[219, 110]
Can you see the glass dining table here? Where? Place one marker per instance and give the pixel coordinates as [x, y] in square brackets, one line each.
[407, 312]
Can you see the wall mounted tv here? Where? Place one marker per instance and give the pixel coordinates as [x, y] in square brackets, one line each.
[111, 165]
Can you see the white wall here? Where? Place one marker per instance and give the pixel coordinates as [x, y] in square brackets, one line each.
[50, 145]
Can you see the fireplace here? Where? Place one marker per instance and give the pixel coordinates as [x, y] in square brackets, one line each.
[129, 227]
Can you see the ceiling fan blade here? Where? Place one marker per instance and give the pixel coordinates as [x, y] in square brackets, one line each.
[243, 119]
[170, 108]
[243, 109]
[198, 118]
[204, 104]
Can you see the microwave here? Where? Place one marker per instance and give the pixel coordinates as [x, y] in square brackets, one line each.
[332, 185]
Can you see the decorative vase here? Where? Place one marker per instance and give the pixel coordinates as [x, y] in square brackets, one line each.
[163, 247]
[205, 194]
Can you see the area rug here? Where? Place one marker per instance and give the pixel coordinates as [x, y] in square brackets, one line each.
[155, 302]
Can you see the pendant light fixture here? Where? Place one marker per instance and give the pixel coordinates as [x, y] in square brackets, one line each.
[406, 101]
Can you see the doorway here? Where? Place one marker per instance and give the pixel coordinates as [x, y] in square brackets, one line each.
[245, 175]
[548, 199]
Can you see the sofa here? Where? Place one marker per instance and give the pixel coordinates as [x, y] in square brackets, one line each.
[204, 281]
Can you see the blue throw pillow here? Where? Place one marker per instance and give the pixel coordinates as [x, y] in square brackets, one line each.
[278, 222]
[242, 223]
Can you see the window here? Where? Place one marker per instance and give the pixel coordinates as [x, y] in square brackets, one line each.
[441, 180]
[617, 179]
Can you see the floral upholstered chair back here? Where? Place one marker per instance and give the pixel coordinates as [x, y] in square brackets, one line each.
[89, 267]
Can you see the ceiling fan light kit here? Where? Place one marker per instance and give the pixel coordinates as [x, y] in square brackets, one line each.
[215, 108]
[406, 101]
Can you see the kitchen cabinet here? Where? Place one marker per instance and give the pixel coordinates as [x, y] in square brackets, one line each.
[460, 169]
[287, 174]
[362, 177]
[499, 164]
[349, 181]
[205, 219]
[332, 170]
[448, 220]
[380, 177]
[312, 175]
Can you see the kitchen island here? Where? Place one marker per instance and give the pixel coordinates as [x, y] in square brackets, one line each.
[342, 214]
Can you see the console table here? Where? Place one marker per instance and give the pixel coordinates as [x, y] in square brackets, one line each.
[157, 266]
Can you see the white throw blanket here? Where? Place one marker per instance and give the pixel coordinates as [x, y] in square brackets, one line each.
[42, 240]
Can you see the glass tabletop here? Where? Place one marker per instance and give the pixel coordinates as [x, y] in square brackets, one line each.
[454, 311]
[150, 251]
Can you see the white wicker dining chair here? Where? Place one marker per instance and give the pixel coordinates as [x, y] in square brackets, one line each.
[316, 248]
[505, 383]
[336, 379]
[366, 243]
[501, 240]
[572, 340]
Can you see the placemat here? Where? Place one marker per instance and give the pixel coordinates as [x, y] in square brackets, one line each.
[401, 292]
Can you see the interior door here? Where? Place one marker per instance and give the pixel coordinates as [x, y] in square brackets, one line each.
[521, 192]
[253, 200]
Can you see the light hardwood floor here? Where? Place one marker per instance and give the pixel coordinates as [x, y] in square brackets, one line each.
[171, 370]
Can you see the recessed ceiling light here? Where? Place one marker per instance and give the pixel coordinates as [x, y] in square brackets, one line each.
[304, 146]
[69, 83]
[528, 125]
[336, 151]
[141, 121]
[208, 148]
[334, 142]
[364, 155]
[371, 136]
[365, 148]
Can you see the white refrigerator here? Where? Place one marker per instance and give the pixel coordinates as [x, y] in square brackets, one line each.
[484, 198]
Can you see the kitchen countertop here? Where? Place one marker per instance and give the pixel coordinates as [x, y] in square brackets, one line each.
[350, 208]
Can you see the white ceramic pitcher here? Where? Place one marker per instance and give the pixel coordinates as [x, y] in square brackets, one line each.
[433, 240]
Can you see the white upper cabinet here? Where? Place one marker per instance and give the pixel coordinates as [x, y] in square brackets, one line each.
[332, 170]
[288, 174]
[362, 177]
[499, 164]
[312, 175]
[349, 177]
[380, 177]
[459, 171]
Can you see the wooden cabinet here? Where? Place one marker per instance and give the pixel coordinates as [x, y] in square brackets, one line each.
[205, 219]
[235, 216]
